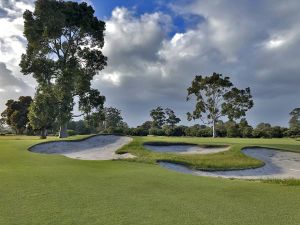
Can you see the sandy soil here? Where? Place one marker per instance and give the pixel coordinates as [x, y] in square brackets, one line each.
[186, 149]
[278, 164]
[101, 147]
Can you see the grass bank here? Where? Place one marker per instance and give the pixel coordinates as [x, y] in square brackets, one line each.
[228, 160]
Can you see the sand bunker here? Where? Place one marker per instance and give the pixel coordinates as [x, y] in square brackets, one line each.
[100, 147]
[186, 149]
[278, 165]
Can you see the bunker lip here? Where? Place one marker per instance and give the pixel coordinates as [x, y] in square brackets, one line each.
[278, 165]
[184, 148]
[97, 147]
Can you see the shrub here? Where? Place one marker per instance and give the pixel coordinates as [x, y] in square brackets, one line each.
[156, 132]
[71, 132]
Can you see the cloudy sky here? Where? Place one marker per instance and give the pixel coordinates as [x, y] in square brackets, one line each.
[155, 48]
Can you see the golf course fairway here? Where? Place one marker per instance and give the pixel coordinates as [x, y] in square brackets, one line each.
[47, 189]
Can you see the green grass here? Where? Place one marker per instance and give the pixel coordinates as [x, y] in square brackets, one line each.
[43, 189]
[228, 160]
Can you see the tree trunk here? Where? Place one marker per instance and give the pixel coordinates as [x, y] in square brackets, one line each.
[43, 134]
[63, 131]
[214, 129]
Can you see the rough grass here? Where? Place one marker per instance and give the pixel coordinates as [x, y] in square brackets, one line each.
[55, 190]
[228, 160]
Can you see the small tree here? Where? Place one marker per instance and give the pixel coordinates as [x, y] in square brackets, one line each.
[171, 120]
[2, 124]
[245, 129]
[16, 113]
[113, 118]
[42, 111]
[216, 97]
[295, 118]
[158, 117]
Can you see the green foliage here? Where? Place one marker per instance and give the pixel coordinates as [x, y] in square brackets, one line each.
[198, 131]
[176, 131]
[113, 118]
[295, 118]
[216, 97]
[232, 129]
[71, 132]
[158, 117]
[156, 131]
[294, 123]
[80, 127]
[171, 119]
[263, 130]
[139, 131]
[16, 113]
[63, 51]
[42, 111]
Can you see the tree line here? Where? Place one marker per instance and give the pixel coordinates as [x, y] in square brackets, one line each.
[164, 122]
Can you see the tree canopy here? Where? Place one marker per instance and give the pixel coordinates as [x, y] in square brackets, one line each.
[64, 52]
[217, 97]
[16, 113]
[171, 119]
[42, 113]
[158, 116]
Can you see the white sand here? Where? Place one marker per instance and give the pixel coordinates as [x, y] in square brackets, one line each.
[186, 149]
[278, 165]
[101, 147]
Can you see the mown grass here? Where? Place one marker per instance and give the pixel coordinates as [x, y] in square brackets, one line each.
[54, 190]
[228, 160]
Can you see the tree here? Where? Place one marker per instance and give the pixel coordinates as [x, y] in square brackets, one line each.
[295, 118]
[64, 51]
[146, 125]
[232, 129]
[16, 112]
[216, 97]
[263, 130]
[221, 130]
[42, 111]
[245, 129]
[171, 120]
[113, 118]
[80, 127]
[2, 124]
[158, 117]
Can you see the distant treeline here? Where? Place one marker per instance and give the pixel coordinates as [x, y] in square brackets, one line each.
[163, 122]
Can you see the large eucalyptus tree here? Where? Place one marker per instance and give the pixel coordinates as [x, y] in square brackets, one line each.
[216, 97]
[64, 51]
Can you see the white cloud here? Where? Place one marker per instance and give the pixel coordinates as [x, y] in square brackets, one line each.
[153, 69]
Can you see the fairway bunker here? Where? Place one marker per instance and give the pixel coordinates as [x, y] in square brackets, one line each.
[278, 165]
[183, 148]
[100, 147]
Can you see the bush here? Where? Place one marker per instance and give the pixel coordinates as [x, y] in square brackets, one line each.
[139, 131]
[198, 131]
[246, 132]
[176, 131]
[156, 132]
[71, 132]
